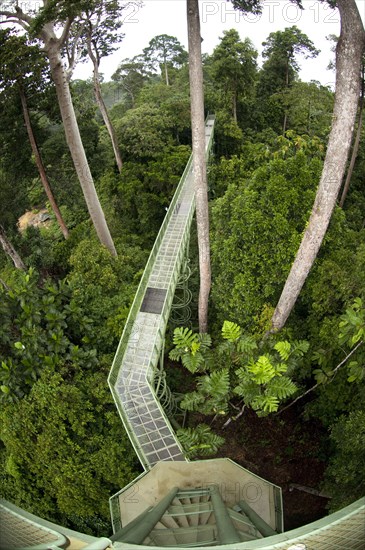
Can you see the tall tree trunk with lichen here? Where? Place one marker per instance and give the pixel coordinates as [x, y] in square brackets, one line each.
[355, 149]
[102, 107]
[348, 68]
[73, 138]
[40, 166]
[199, 160]
[10, 250]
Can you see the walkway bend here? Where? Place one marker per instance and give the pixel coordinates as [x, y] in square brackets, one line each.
[133, 371]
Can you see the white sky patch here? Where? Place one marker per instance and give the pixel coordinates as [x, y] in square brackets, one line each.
[141, 24]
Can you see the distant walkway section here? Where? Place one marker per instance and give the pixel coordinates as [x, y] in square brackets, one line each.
[132, 375]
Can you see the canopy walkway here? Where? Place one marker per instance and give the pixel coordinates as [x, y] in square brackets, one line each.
[180, 504]
[135, 379]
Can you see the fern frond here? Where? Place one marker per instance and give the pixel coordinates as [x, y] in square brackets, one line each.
[193, 362]
[216, 384]
[184, 338]
[280, 368]
[281, 387]
[176, 354]
[192, 401]
[231, 331]
[266, 403]
[283, 348]
[263, 370]
[300, 348]
[199, 441]
[205, 340]
[246, 345]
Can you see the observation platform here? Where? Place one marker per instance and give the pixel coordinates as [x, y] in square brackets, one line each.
[343, 530]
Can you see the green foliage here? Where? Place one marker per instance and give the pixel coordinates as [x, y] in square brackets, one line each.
[191, 348]
[309, 108]
[232, 67]
[104, 286]
[256, 230]
[231, 331]
[352, 325]
[199, 441]
[61, 437]
[41, 328]
[62, 447]
[278, 74]
[164, 51]
[345, 475]
[143, 132]
[262, 379]
[141, 193]
[286, 44]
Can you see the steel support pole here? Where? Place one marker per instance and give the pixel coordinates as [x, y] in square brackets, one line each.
[139, 531]
[265, 529]
[227, 533]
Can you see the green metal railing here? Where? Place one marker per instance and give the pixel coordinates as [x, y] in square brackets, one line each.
[157, 340]
[138, 299]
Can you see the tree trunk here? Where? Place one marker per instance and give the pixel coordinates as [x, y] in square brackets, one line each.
[10, 250]
[355, 149]
[348, 67]
[39, 163]
[234, 106]
[199, 162]
[103, 109]
[166, 72]
[285, 122]
[73, 138]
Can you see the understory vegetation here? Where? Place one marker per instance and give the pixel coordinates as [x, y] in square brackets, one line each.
[63, 448]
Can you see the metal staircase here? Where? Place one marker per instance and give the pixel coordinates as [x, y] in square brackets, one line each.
[196, 517]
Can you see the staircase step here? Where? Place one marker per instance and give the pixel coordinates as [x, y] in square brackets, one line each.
[167, 523]
[184, 537]
[192, 492]
[198, 508]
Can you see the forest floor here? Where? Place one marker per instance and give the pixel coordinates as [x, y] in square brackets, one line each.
[283, 449]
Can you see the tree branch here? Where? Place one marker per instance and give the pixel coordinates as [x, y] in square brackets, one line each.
[6, 287]
[316, 385]
[72, 56]
[18, 17]
[65, 31]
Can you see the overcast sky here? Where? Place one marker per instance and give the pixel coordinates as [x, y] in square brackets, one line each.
[141, 24]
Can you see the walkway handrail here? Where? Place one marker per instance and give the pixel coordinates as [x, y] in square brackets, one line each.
[126, 362]
[138, 299]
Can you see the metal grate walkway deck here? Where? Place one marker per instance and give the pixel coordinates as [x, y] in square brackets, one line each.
[133, 371]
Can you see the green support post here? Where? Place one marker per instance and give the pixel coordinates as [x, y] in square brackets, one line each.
[227, 532]
[141, 529]
[259, 523]
[136, 521]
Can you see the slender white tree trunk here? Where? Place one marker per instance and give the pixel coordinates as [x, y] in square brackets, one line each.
[10, 250]
[199, 161]
[355, 149]
[234, 106]
[73, 137]
[103, 109]
[40, 166]
[166, 73]
[348, 70]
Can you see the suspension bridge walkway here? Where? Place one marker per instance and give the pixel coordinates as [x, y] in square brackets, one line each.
[135, 380]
